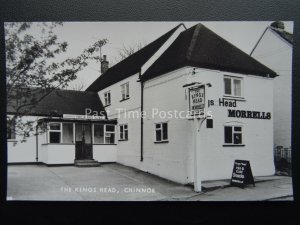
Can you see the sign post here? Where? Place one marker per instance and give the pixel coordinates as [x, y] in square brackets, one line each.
[196, 108]
[242, 174]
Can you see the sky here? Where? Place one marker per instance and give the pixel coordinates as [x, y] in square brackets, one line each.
[80, 35]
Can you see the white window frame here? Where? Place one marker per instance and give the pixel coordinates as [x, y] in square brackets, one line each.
[12, 132]
[232, 78]
[109, 132]
[161, 129]
[107, 98]
[232, 134]
[57, 131]
[123, 133]
[125, 91]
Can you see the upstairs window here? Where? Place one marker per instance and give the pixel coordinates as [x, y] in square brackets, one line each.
[125, 91]
[107, 98]
[124, 132]
[233, 86]
[233, 135]
[161, 132]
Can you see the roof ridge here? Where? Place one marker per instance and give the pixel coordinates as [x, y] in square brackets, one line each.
[193, 40]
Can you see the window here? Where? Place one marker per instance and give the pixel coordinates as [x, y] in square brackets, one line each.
[233, 86]
[68, 133]
[104, 134]
[233, 135]
[161, 132]
[107, 98]
[124, 132]
[109, 134]
[54, 133]
[11, 130]
[125, 91]
[60, 133]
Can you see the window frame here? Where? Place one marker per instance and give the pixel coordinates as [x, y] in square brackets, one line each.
[162, 132]
[232, 89]
[233, 132]
[54, 131]
[11, 127]
[125, 88]
[123, 132]
[107, 98]
[109, 132]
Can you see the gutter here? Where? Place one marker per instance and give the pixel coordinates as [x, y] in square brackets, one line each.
[142, 119]
[37, 144]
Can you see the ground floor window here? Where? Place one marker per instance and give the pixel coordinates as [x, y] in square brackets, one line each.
[11, 130]
[161, 132]
[69, 133]
[104, 134]
[233, 135]
[123, 132]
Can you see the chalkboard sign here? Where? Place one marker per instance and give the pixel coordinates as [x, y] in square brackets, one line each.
[242, 174]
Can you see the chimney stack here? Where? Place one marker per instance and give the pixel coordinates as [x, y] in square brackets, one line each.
[104, 64]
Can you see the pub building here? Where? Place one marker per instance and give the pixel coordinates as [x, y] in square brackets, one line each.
[228, 97]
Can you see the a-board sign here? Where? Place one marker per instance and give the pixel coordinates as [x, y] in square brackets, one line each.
[197, 100]
[242, 174]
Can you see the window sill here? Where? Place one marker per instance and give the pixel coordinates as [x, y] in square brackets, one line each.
[160, 142]
[234, 145]
[122, 100]
[12, 140]
[230, 97]
[58, 144]
[123, 140]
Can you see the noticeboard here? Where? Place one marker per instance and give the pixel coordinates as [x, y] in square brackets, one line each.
[242, 174]
[196, 100]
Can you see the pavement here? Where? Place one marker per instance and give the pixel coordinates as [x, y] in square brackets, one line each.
[115, 182]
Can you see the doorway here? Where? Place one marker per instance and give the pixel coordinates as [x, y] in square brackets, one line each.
[83, 141]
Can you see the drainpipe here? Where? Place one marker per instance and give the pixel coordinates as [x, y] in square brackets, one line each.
[37, 144]
[142, 119]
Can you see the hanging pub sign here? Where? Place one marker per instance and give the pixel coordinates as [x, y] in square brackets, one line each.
[196, 100]
[242, 174]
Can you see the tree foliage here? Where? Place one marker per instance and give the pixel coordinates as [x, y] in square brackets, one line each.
[32, 65]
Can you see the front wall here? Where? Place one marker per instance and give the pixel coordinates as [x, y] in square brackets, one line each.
[216, 161]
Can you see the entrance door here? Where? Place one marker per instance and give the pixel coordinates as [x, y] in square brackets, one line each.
[83, 138]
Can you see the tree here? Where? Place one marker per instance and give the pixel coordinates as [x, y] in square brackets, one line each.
[126, 51]
[31, 66]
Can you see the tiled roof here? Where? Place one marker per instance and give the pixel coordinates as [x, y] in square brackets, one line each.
[58, 102]
[130, 65]
[197, 46]
[200, 47]
[284, 34]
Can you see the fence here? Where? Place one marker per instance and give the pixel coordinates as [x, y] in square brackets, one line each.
[283, 160]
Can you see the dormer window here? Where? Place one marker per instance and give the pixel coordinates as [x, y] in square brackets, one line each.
[107, 98]
[233, 86]
[125, 91]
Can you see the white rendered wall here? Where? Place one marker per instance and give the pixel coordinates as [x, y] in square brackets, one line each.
[128, 152]
[276, 53]
[18, 152]
[216, 161]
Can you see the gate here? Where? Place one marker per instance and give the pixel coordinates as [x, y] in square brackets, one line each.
[283, 160]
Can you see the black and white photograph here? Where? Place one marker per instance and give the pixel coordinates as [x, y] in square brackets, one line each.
[149, 111]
